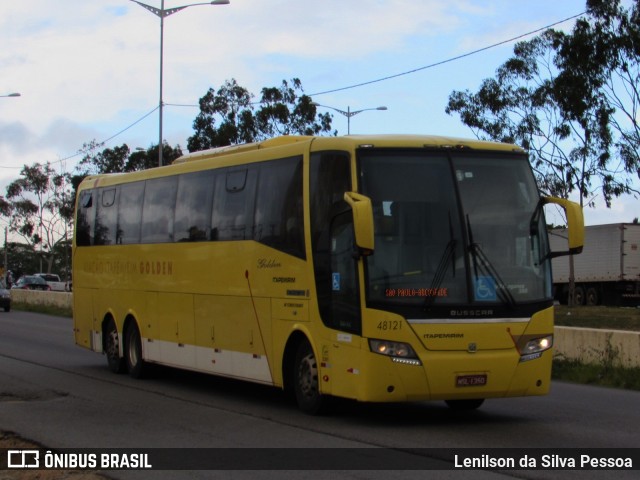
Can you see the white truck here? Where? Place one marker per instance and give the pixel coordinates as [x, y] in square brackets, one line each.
[53, 281]
[607, 271]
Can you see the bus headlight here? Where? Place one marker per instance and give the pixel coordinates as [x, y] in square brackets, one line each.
[399, 352]
[533, 348]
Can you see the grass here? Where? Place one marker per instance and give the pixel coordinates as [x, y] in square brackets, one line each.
[589, 374]
[612, 318]
[46, 309]
[606, 374]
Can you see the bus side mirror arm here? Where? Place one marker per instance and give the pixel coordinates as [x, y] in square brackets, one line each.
[362, 221]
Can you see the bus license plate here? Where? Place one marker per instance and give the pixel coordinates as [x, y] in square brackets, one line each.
[471, 380]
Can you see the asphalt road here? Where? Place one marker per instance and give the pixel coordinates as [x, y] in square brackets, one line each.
[63, 396]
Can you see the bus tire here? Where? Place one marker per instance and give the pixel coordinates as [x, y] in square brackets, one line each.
[133, 351]
[305, 380]
[111, 347]
[466, 404]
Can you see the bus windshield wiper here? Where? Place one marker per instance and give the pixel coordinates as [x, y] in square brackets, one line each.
[449, 253]
[483, 265]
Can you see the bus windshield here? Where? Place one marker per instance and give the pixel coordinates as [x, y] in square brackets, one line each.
[454, 229]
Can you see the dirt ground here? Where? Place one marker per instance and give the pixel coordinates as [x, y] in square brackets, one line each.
[13, 441]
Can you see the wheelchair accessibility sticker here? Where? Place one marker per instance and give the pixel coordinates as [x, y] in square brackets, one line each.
[485, 289]
[335, 281]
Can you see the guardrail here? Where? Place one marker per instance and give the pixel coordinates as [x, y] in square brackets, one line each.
[618, 348]
[588, 345]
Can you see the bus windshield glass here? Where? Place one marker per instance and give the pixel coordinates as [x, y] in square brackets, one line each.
[454, 229]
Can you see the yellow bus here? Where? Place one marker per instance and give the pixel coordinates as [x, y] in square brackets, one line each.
[377, 268]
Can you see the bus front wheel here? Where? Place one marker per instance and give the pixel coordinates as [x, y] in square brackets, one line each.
[133, 351]
[112, 347]
[305, 380]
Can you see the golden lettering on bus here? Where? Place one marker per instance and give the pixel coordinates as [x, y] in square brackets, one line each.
[110, 267]
[156, 267]
[124, 267]
[268, 263]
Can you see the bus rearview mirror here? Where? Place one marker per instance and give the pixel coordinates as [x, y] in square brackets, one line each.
[575, 224]
[362, 221]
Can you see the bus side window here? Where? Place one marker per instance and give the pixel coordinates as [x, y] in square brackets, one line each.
[193, 206]
[158, 209]
[85, 220]
[278, 219]
[106, 216]
[130, 213]
[233, 203]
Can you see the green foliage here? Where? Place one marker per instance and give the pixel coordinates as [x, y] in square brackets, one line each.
[613, 318]
[228, 116]
[22, 259]
[40, 208]
[145, 159]
[599, 62]
[592, 374]
[121, 159]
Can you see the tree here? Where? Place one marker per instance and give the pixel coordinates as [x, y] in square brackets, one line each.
[122, 159]
[22, 259]
[228, 116]
[571, 100]
[145, 159]
[40, 209]
[557, 98]
[283, 112]
[118, 160]
[600, 59]
[519, 106]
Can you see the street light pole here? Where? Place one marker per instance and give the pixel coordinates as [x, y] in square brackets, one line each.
[162, 13]
[349, 113]
[11, 95]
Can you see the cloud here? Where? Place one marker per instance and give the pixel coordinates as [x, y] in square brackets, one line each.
[93, 61]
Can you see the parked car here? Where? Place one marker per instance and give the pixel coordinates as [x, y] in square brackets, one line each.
[31, 282]
[53, 281]
[5, 299]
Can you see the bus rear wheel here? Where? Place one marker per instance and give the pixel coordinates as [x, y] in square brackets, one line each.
[305, 380]
[133, 351]
[466, 404]
[111, 347]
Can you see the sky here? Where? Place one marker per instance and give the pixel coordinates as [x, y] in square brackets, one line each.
[90, 70]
